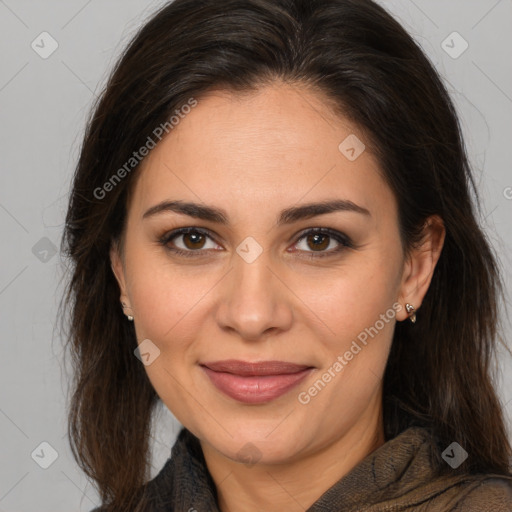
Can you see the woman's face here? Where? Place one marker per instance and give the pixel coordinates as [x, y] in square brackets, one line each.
[253, 284]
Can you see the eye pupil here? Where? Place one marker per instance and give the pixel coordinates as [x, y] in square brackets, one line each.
[319, 241]
[195, 238]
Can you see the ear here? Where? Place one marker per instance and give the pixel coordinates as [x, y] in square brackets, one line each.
[420, 265]
[117, 265]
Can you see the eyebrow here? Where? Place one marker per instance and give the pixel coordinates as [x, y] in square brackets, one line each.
[286, 216]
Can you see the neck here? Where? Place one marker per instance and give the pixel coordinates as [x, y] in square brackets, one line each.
[296, 485]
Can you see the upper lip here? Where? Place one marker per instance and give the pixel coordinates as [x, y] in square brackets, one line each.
[247, 369]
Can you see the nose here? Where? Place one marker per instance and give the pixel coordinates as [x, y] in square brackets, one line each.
[254, 300]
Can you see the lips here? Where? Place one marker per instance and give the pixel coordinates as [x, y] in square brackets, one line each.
[246, 369]
[254, 383]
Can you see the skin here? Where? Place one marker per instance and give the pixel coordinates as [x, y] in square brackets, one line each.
[253, 156]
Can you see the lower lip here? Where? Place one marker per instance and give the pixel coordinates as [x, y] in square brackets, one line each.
[255, 389]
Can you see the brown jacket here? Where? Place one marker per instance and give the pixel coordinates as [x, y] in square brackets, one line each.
[396, 477]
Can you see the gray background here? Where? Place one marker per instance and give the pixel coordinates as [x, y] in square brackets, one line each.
[43, 105]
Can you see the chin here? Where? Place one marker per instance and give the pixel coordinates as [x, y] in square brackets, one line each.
[251, 444]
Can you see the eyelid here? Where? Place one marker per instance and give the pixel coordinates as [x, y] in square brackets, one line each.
[170, 235]
[341, 238]
[326, 231]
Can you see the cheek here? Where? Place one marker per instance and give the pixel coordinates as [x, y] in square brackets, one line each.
[168, 308]
[355, 297]
[358, 309]
[165, 310]
[160, 296]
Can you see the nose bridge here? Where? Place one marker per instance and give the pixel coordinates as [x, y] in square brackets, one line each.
[254, 300]
[252, 273]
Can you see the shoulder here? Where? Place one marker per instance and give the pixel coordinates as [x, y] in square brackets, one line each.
[489, 493]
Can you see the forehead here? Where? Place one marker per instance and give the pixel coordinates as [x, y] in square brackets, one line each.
[276, 145]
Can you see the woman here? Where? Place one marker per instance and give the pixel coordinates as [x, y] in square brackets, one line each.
[272, 232]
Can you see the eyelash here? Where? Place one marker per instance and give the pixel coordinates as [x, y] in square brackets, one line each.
[344, 241]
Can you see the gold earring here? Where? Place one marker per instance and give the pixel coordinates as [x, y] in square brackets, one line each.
[130, 317]
[411, 311]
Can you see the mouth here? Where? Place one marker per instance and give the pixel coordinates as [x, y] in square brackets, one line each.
[255, 383]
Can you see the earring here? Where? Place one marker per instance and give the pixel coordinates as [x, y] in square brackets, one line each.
[130, 317]
[411, 311]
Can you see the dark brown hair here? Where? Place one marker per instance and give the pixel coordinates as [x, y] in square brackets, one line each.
[367, 68]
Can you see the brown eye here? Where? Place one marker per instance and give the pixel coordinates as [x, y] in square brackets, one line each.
[188, 242]
[194, 240]
[318, 242]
